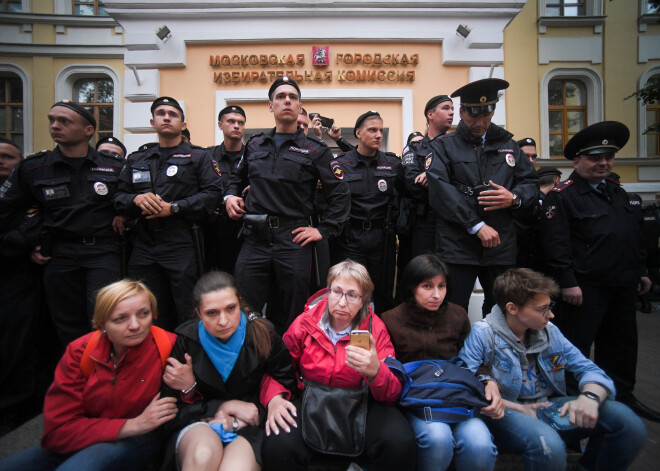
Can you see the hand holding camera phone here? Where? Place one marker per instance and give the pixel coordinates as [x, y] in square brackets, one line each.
[360, 338]
[325, 122]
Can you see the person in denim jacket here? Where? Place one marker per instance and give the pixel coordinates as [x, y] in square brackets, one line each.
[528, 357]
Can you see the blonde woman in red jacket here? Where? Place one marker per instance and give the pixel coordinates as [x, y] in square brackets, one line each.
[319, 343]
[105, 415]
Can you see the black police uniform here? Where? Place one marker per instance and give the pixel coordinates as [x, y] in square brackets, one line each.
[593, 240]
[416, 159]
[368, 237]
[282, 185]
[74, 196]
[221, 241]
[166, 251]
[461, 162]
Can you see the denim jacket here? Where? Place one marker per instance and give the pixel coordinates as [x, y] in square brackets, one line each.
[484, 346]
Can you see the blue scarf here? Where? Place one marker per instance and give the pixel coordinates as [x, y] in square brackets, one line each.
[223, 355]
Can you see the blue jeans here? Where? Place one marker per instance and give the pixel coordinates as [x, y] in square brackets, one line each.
[614, 443]
[469, 442]
[129, 454]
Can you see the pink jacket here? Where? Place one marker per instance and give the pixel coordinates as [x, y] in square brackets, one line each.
[316, 359]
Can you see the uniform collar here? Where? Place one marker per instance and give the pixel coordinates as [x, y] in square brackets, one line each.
[299, 137]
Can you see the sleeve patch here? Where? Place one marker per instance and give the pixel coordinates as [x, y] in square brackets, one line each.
[337, 171]
[429, 159]
[216, 167]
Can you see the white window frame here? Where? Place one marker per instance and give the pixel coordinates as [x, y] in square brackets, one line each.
[641, 110]
[594, 16]
[591, 80]
[68, 76]
[27, 104]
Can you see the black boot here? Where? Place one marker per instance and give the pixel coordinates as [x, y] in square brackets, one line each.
[640, 408]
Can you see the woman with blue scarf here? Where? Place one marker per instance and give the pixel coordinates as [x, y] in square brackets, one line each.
[215, 372]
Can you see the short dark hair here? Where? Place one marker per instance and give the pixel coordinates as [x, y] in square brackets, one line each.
[519, 285]
[421, 268]
[547, 179]
[4, 140]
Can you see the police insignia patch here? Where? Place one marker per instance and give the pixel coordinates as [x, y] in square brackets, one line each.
[382, 185]
[338, 172]
[216, 167]
[510, 160]
[429, 159]
[550, 212]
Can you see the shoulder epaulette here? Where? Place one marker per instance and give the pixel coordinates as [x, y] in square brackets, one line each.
[563, 185]
[195, 146]
[38, 154]
[317, 140]
[613, 181]
[149, 145]
[393, 155]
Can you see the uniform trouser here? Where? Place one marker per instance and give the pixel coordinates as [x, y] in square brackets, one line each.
[423, 236]
[283, 263]
[19, 309]
[169, 268]
[221, 244]
[368, 248]
[606, 318]
[461, 283]
[72, 278]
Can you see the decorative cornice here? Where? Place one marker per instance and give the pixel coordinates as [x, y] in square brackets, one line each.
[65, 20]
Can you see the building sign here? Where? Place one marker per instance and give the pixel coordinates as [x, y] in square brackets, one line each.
[349, 67]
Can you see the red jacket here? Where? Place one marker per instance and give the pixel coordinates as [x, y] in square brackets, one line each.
[316, 359]
[79, 411]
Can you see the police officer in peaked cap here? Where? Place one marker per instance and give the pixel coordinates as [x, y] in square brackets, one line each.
[72, 187]
[282, 168]
[167, 190]
[478, 178]
[591, 230]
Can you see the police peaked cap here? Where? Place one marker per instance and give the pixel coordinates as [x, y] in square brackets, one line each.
[167, 100]
[528, 141]
[78, 109]
[111, 140]
[282, 81]
[413, 135]
[599, 138]
[543, 171]
[435, 101]
[480, 93]
[362, 118]
[231, 109]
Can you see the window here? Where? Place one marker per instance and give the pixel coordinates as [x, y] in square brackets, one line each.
[652, 141]
[651, 7]
[89, 8]
[11, 5]
[11, 109]
[565, 7]
[567, 112]
[97, 96]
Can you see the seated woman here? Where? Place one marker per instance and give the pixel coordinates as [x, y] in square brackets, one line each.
[427, 327]
[319, 344]
[215, 373]
[529, 356]
[103, 409]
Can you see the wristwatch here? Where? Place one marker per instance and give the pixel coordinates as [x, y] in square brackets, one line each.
[591, 395]
[234, 423]
[516, 201]
[174, 207]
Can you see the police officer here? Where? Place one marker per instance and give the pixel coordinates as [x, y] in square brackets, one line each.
[111, 145]
[439, 114]
[528, 146]
[282, 168]
[477, 178]
[167, 190]
[72, 186]
[374, 178]
[222, 243]
[590, 228]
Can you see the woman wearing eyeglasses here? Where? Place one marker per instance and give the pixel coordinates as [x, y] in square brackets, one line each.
[320, 347]
[529, 356]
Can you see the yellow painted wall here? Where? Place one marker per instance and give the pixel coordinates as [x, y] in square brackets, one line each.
[194, 84]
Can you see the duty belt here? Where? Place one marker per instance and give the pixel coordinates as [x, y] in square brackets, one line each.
[275, 222]
[367, 224]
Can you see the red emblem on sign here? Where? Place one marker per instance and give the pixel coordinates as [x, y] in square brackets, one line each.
[320, 55]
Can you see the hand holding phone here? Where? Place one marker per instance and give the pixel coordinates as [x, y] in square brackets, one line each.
[360, 338]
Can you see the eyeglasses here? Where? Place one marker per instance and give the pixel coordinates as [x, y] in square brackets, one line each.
[352, 298]
[542, 310]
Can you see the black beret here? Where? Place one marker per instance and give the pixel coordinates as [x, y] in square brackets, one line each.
[361, 119]
[433, 102]
[282, 81]
[231, 109]
[413, 135]
[543, 171]
[111, 140]
[528, 141]
[186, 132]
[599, 138]
[480, 93]
[78, 109]
[167, 100]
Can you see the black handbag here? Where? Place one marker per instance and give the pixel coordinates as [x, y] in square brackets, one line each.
[334, 420]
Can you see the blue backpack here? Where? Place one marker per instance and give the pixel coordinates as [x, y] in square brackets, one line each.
[438, 390]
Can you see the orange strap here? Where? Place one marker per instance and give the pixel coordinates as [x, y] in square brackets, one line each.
[163, 345]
